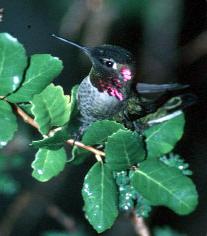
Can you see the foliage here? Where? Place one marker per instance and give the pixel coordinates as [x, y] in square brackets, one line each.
[174, 160]
[129, 197]
[100, 197]
[159, 140]
[8, 120]
[160, 178]
[50, 108]
[48, 163]
[133, 176]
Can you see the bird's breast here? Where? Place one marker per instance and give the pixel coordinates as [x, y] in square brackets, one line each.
[95, 105]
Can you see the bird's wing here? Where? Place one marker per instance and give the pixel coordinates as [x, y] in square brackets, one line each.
[144, 88]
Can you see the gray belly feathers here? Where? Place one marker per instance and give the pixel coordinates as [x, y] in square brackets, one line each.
[95, 105]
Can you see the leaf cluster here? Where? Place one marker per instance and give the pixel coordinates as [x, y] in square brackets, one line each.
[130, 172]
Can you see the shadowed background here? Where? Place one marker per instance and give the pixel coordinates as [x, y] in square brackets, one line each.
[169, 41]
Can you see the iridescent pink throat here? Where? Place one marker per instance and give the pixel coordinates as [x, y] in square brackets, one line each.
[113, 86]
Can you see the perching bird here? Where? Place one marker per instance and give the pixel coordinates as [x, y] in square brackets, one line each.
[104, 90]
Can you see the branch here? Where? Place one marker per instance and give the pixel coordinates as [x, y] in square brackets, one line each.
[71, 142]
[26, 117]
[88, 148]
[140, 226]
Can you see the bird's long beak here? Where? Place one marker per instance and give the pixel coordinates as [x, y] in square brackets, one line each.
[86, 50]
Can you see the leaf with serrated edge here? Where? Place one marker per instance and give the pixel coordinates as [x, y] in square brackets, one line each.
[13, 61]
[48, 163]
[41, 72]
[97, 133]
[165, 186]
[123, 150]
[50, 108]
[161, 138]
[73, 101]
[100, 197]
[8, 123]
[54, 142]
[79, 155]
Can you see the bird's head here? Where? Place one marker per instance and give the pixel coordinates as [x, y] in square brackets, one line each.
[112, 68]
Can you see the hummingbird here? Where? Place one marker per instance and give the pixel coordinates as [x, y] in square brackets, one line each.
[104, 91]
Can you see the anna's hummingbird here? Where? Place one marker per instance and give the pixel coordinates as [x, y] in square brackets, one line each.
[104, 91]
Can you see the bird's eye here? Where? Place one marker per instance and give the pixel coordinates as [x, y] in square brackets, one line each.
[109, 63]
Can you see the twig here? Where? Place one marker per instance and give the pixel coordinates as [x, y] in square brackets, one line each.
[88, 148]
[56, 213]
[140, 226]
[26, 117]
[71, 142]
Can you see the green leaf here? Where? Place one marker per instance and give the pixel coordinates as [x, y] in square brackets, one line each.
[174, 160]
[73, 102]
[161, 138]
[8, 123]
[50, 108]
[13, 61]
[54, 142]
[123, 150]
[166, 186]
[48, 163]
[74, 121]
[97, 133]
[42, 70]
[79, 155]
[100, 197]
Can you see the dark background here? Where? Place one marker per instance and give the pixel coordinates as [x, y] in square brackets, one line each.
[169, 41]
